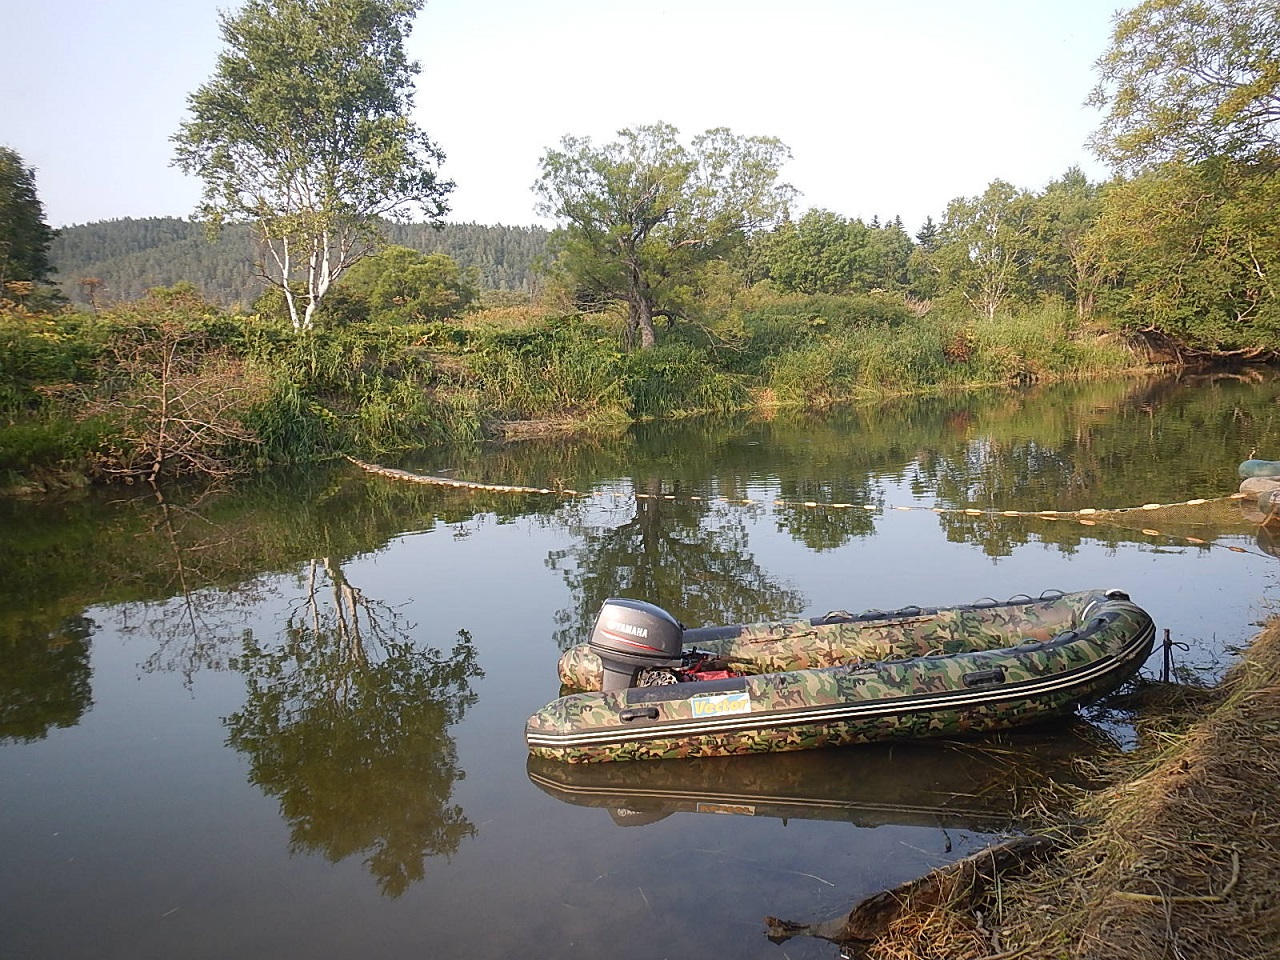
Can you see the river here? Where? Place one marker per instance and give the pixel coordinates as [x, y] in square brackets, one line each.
[286, 718]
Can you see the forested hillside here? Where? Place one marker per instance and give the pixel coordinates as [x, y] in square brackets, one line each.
[129, 257]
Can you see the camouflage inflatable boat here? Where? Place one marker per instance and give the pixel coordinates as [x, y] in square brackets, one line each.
[654, 690]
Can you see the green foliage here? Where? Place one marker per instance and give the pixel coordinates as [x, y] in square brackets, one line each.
[985, 248]
[289, 427]
[1190, 251]
[396, 285]
[678, 378]
[1034, 346]
[564, 369]
[399, 285]
[1062, 263]
[823, 252]
[24, 236]
[45, 443]
[1190, 80]
[775, 324]
[304, 130]
[877, 361]
[42, 354]
[644, 214]
[340, 361]
[940, 353]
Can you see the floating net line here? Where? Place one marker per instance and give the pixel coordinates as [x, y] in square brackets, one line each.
[1085, 516]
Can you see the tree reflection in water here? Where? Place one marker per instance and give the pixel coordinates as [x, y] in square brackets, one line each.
[45, 678]
[689, 556]
[347, 722]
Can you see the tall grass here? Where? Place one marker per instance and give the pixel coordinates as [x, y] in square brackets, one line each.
[1045, 344]
[558, 370]
[370, 387]
[677, 378]
[935, 353]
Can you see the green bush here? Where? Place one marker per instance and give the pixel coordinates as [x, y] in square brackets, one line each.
[290, 428]
[776, 324]
[677, 378]
[564, 368]
[51, 443]
[42, 351]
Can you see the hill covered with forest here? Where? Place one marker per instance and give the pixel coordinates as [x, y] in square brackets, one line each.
[128, 257]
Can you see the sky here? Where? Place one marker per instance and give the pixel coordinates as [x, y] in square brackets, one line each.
[890, 108]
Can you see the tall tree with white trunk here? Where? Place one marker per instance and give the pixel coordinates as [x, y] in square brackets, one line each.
[304, 130]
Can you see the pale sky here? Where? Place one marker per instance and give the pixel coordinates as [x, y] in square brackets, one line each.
[889, 108]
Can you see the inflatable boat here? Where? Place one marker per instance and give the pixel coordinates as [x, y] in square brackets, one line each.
[655, 690]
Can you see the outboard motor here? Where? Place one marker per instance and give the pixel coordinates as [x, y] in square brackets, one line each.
[630, 636]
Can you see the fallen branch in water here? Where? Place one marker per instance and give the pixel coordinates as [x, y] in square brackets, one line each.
[953, 886]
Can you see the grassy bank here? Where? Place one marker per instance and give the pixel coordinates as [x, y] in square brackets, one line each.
[1177, 858]
[172, 384]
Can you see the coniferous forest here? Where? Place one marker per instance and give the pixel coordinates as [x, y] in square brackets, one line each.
[128, 257]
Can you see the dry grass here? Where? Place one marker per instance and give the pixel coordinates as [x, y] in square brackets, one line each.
[1180, 858]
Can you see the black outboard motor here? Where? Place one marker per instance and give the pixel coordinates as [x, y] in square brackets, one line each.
[630, 636]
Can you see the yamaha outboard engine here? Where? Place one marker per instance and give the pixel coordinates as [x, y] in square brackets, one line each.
[630, 636]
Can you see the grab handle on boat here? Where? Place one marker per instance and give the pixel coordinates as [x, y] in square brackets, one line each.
[981, 678]
[638, 713]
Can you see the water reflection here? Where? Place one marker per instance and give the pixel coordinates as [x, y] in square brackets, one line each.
[358, 725]
[347, 723]
[45, 680]
[683, 552]
[984, 785]
[197, 624]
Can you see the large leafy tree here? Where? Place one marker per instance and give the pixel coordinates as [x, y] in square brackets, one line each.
[642, 215]
[1191, 90]
[403, 285]
[1190, 251]
[984, 249]
[1185, 80]
[24, 236]
[1062, 263]
[823, 252]
[304, 130]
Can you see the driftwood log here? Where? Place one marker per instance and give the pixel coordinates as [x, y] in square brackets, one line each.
[953, 886]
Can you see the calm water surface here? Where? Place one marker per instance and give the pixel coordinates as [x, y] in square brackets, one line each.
[287, 720]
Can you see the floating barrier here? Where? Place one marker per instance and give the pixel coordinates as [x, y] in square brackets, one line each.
[1085, 516]
[406, 475]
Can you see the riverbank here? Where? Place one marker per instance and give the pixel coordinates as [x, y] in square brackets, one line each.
[171, 385]
[1177, 857]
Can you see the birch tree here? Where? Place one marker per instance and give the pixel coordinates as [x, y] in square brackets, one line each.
[304, 130]
[984, 247]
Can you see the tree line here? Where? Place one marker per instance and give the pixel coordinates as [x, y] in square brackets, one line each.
[679, 277]
[1179, 247]
[112, 261]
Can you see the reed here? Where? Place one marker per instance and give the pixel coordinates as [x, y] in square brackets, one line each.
[551, 371]
[677, 378]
